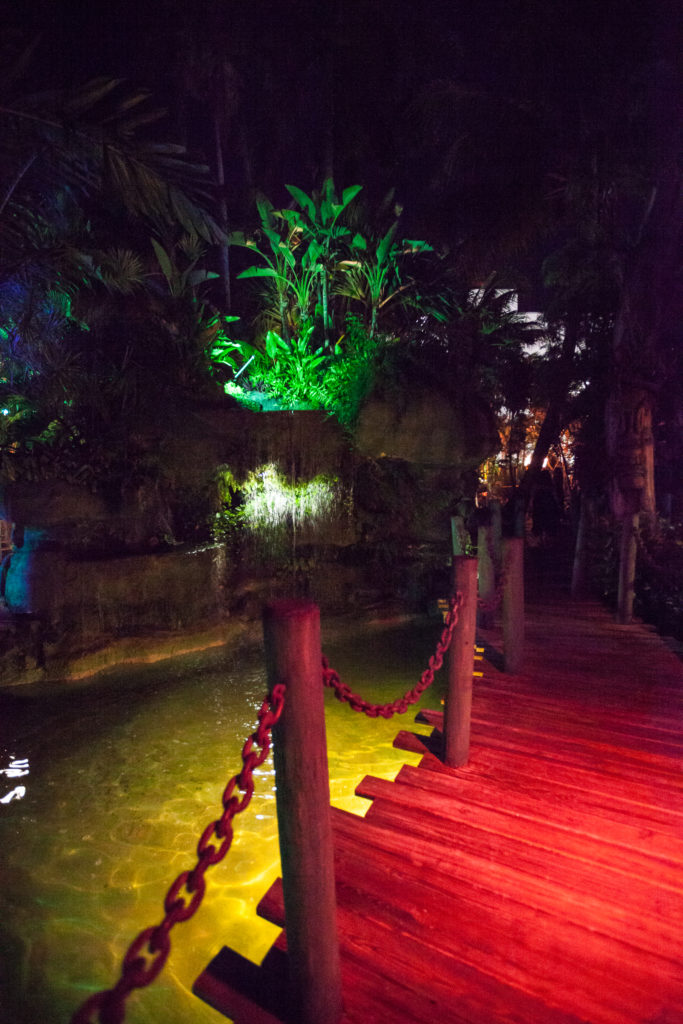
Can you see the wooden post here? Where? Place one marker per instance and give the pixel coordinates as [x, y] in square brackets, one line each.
[487, 574]
[496, 530]
[628, 554]
[513, 603]
[293, 657]
[580, 562]
[458, 535]
[458, 704]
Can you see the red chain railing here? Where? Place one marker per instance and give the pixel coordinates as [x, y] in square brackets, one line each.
[401, 704]
[148, 953]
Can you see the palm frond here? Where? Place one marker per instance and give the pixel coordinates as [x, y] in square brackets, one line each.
[90, 139]
[121, 271]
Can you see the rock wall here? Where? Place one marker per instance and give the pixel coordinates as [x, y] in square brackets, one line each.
[87, 570]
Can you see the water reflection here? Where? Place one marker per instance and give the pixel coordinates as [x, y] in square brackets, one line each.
[126, 772]
[14, 770]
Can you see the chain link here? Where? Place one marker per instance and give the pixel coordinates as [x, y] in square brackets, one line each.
[147, 954]
[401, 704]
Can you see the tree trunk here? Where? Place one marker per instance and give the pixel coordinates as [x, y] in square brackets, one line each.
[628, 552]
[649, 299]
[647, 312]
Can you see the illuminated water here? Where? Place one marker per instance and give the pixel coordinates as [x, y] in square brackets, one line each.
[124, 772]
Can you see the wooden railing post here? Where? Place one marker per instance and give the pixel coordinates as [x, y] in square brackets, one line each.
[458, 535]
[497, 530]
[293, 657]
[487, 574]
[458, 704]
[513, 603]
[628, 554]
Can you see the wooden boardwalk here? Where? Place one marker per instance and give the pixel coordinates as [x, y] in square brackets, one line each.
[540, 884]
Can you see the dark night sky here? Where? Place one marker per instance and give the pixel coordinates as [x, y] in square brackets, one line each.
[357, 74]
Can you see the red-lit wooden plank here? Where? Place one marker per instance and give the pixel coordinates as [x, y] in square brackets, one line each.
[604, 750]
[580, 789]
[652, 806]
[460, 896]
[429, 747]
[417, 980]
[642, 918]
[540, 954]
[512, 866]
[422, 899]
[611, 762]
[587, 721]
[423, 810]
[551, 729]
[569, 809]
[541, 883]
[507, 726]
[634, 717]
[629, 765]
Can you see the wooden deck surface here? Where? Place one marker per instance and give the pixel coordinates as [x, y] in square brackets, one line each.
[540, 884]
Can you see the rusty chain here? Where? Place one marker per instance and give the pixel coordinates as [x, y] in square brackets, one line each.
[147, 954]
[401, 704]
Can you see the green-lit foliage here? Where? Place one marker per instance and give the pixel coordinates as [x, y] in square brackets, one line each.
[318, 220]
[349, 377]
[294, 375]
[292, 370]
[224, 522]
[327, 276]
[291, 271]
[327, 259]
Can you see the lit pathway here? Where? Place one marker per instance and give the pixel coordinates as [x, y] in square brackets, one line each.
[542, 883]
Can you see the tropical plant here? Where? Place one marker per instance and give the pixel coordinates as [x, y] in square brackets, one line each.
[323, 263]
[183, 282]
[62, 147]
[591, 172]
[374, 273]
[84, 340]
[293, 374]
[291, 270]
[292, 370]
[304, 247]
[318, 220]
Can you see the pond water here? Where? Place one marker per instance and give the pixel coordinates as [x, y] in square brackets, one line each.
[106, 787]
